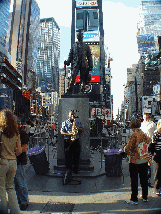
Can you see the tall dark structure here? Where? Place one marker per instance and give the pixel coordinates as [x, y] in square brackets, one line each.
[4, 16]
[25, 36]
[88, 17]
[48, 54]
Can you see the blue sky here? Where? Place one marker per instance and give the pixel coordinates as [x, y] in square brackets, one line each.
[128, 3]
[120, 26]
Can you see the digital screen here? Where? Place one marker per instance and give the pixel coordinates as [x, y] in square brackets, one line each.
[146, 42]
[87, 20]
[96, 71]
[95, 50]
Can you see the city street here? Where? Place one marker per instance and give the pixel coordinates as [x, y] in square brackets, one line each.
[97, 193]
[78, 77]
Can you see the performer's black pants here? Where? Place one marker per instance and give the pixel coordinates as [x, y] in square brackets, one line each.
[142, 170]
[72, 154]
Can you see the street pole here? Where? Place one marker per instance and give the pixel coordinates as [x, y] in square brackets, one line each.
[65, 79]
[136, 94]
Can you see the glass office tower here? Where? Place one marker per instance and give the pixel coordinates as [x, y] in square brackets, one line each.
[4, 16]
[48, 54]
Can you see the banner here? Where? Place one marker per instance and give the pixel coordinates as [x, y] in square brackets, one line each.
[96, 71]
[86, 4]
[91, 36]
[146, 42]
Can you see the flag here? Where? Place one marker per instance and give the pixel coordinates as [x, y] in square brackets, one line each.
[110, 59]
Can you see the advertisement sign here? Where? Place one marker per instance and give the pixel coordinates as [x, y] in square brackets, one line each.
[146, 42]
[5, 98]
[146, 104]
[90, 3]
[127, 101]
[95, 50]
[156, 89]
[91, 36]
[94, 78]
[96, 71]
[102, 113]
[107, 71]
[107, 77]
[26, 93]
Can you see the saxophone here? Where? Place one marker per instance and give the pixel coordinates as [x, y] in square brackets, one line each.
[74, 131]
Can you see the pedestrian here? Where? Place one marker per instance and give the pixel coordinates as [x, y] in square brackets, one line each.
[21, 125]
[53, 129]
[11, 147]
[20, 180]
[148, 127]
[71, 129]
[137, 148]
[27, 128]
[32, 130]
[155, 149]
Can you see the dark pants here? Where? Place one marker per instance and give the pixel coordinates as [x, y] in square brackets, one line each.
[142, 170]
[158, 177]
[72, 154]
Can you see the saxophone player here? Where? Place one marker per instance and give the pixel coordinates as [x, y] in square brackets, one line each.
[71, 129]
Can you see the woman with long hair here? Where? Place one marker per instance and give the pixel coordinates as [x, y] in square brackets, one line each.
[10, 148]
[155, 148]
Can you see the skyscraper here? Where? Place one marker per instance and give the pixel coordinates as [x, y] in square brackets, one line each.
[24, 37]
[150, 19]
[4, 16]
[48, 54]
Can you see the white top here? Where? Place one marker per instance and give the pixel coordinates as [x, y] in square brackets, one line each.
[148, 128]
[32, 130]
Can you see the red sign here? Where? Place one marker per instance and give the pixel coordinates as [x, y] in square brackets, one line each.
[94, 78]
[26, 94]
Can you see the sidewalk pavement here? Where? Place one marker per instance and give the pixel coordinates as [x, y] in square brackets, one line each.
[97, 193]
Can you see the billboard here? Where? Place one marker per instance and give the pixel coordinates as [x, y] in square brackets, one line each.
[91, 36]
[6, 98]
[89, 3]
[96, 71]
[156, 89]
[88, 21]
[146, 42]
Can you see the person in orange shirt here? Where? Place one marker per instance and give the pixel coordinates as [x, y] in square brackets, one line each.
[137, 147]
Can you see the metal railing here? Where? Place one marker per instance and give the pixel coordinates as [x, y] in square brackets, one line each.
[39, 139]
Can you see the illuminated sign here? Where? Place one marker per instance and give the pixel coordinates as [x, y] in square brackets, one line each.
[91, 36]
[96, 71]
[86, 3]
[94, 78]
[146, 42]
[95, 50]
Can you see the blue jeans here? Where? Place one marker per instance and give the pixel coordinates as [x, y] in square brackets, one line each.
[21, 185]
